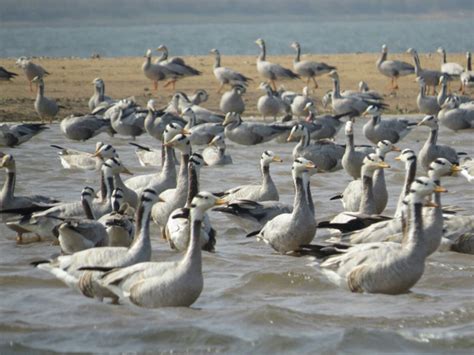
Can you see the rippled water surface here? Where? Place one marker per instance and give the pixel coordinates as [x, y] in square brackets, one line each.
[336, 36]
[253, 300]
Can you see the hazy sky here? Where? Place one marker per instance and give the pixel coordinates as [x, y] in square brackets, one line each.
[52, 12]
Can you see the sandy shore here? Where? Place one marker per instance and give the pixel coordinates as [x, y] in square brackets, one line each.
[70, 81]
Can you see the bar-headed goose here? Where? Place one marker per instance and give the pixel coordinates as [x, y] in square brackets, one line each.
[431, 150]
[157, 72]
[166, 284]
[393, 68]
[99, 94]
[467, 76]
[72, 269]
[455, 117]
[6, 75]
[82, 128]
[215, 154]
[389, 268]
[226, 75]
[271, 71]
[31, 70]
[426, 104]
[353, 157]
[12, 135]
[203, 133]
[232, 101]
[309, 69]
[265, 192]
[453, 70]
[46, 108]
[287, 232]
[376, 129]
[430, 77]
[250, 133]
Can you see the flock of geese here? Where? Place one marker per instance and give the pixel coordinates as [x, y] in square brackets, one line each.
[104, 239]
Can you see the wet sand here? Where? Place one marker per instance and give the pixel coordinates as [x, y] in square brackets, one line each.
[70, 81]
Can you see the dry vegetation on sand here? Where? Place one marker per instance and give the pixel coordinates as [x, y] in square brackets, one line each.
[70, 81]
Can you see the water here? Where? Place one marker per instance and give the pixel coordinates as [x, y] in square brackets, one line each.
[341, 36]
[254, 301]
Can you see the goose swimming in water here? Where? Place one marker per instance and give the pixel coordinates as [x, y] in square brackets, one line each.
[389, 268]
[12, 135]
[215, 154]
[166, 284]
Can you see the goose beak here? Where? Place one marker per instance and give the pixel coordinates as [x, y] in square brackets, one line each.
[420, 123]
[277, 159]
[310, 165]
[290, 138]
[440, 189]
[399, 158]
[186, 132]
[395, 149]
[226, 119]
[383, 165]
[220, 202]
[97, 155]
[456, 169]
[431, 204]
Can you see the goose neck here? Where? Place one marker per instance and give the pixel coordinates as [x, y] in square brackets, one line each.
[414, 241]
[410, 173]
[87, 209]
[367, 204]
[141, 242]
[263, 52]
[193, 257]
[217, 60]
[336, 89]
[193, 184]
[8, 189]
[298, 54]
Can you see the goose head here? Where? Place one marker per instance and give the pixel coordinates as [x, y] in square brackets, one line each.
[412, 51]
[7, 162]
[372, 110]
[371, 163]
[406, 156]
[430, 121]
[117, 198]
[181, 142]
[443, 79]
[442, 167]
[148, 53]
[214, 51]
[384, 48]
[197, 161]
[363, 86]
[218, 141]
[260, 42]
[202, 202]
[422, 187]
[450, 103]
[114, 166]
[105, 151]
[202, 95]
[162, 48]
[297, 131]
[87, 194]
[152, 105]
[269, 157]
[441, 50]
[334, 75]
[171, 130]
[384, 147]
[302, 165]
[327, 98]
[349, 128]
[231, 117]
[239, 89]
[295, 45]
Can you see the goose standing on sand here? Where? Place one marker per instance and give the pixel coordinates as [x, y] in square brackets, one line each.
[352, 195]
[267, 191]
[250, 133]
[82, 128]
[45, 108]
[177, 227]
[287, 232]
[431, 150]
[68, 268]
[99, 94]
[175, 64]
[157, 72]
[453, 70]
[389, 268]
[454, 117]
[426, 104]
[6, 75]
[353, 105]
[308, 69]
[12, 135]
[80, 234]
[393, 68]
[430, 77]
[271, 71]
[31, 70]
[166, 284]
[268, 104]
[226, 75]
[215, 154]
[376, 129]
[203, 133]
[324, 154]
[232, 101]
[119, 223]
[467, 76]
[10, 201]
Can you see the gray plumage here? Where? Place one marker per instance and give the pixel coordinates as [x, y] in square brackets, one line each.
[454, 117]
[393, 68]
[426, 104]
[232, 101]
[6, 75]
[431, 77]
[82, 128]
[309, 69]
[99, 94]
[12, 135]
[31, 69]
[227, 75]
[215, 154]
[377, 129]
[45, 108]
